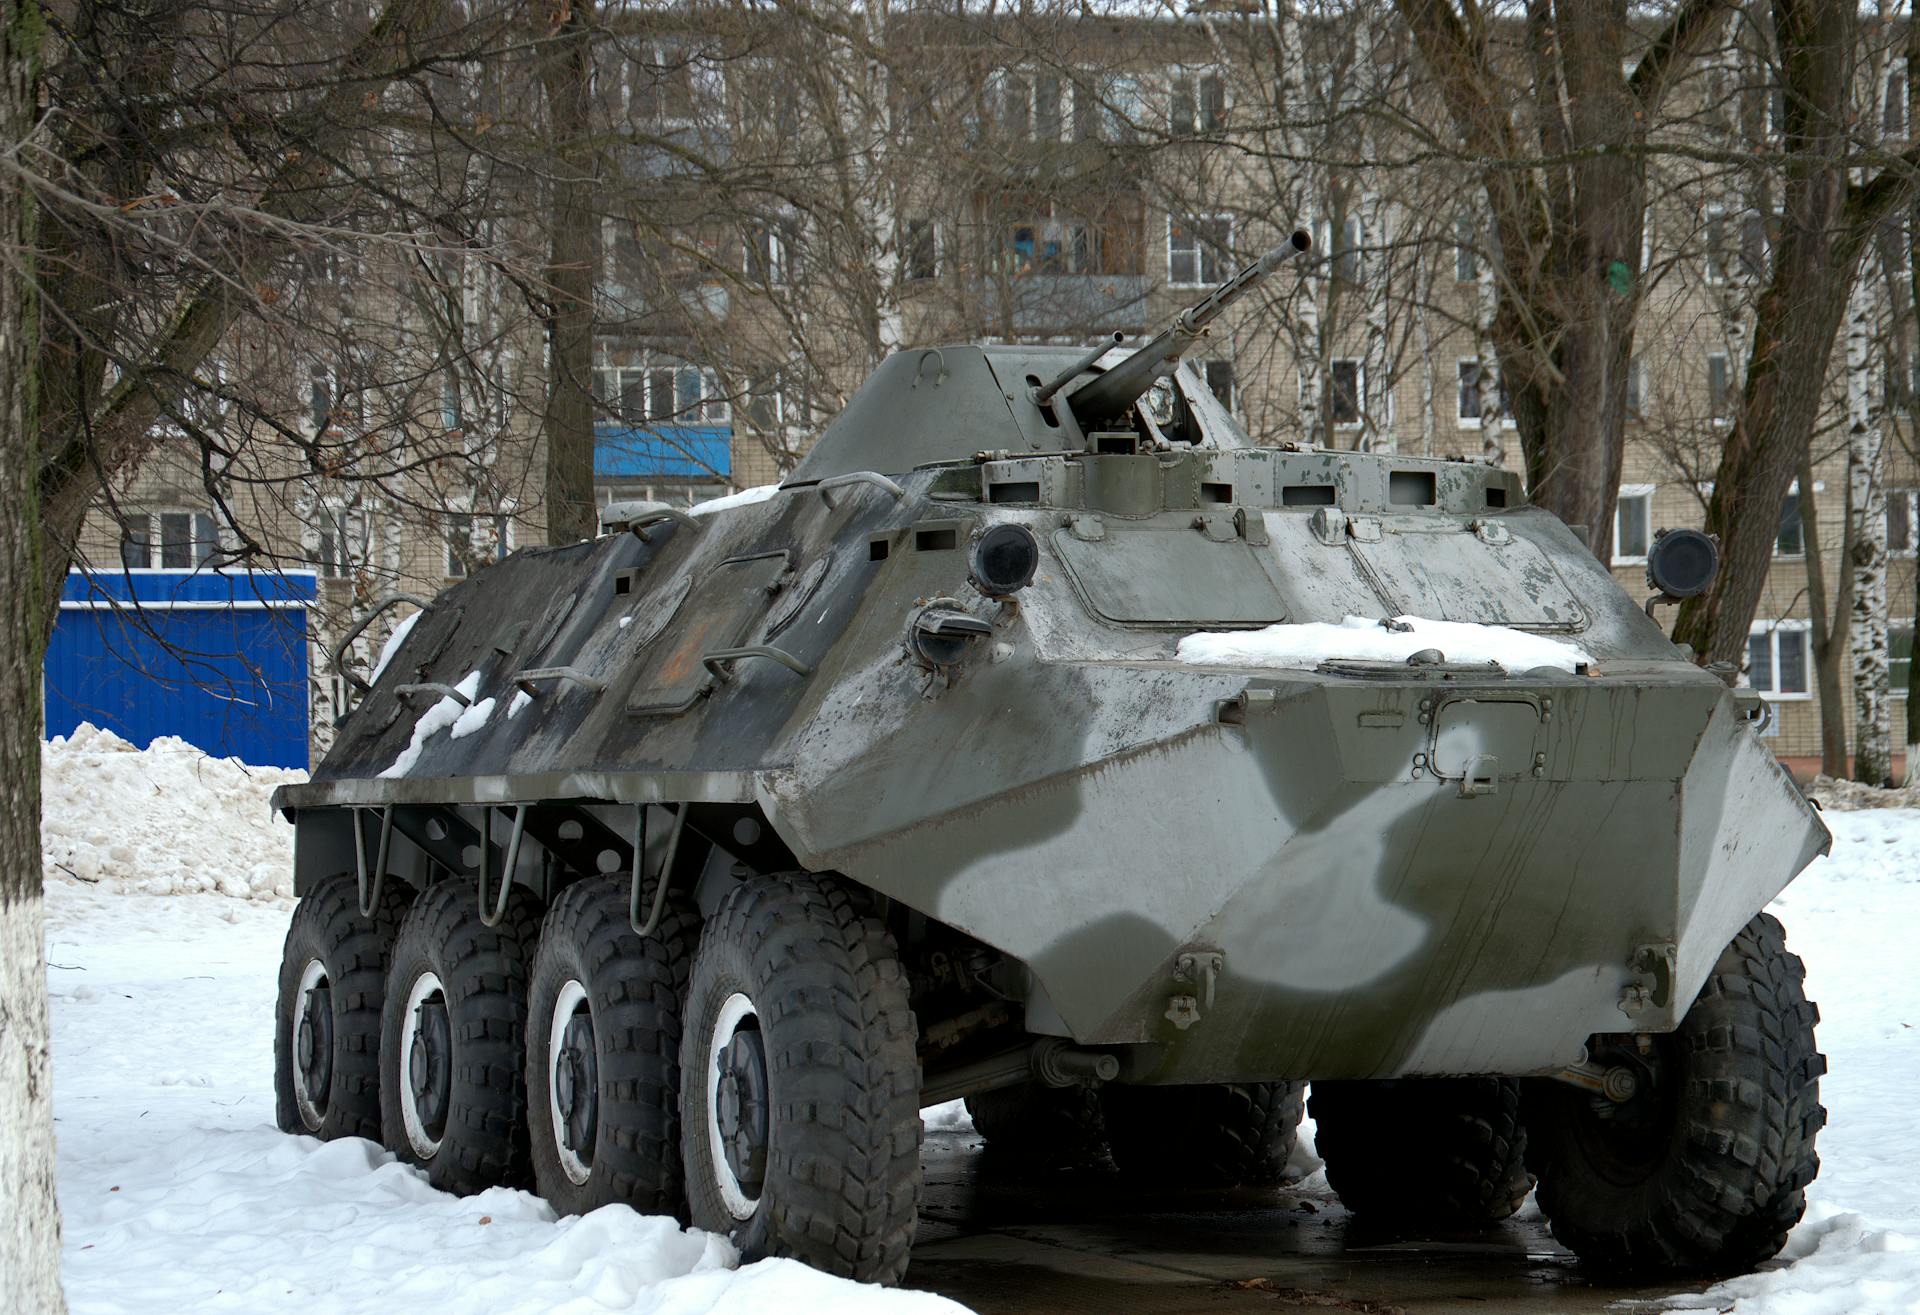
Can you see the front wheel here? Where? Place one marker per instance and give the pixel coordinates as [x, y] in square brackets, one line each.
[1704, 1167]
[799, 1083]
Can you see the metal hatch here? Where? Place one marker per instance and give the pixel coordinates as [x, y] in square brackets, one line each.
[1169, 576]
[1446, 571]
[724, 609]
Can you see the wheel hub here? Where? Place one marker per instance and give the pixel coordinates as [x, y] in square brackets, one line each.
[313, 1044]
[430, 1064]
[741, 1108]
[576, 1086]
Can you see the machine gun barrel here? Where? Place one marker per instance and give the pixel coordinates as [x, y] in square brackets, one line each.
[1107, 396]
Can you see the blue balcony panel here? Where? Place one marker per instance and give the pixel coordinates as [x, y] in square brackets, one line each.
[663, 452]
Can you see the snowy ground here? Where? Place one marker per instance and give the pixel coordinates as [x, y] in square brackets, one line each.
[179, 1194]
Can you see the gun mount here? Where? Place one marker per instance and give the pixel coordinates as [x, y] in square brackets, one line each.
[1100, 402]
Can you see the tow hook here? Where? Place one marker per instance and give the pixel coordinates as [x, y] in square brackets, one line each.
[1202, 968]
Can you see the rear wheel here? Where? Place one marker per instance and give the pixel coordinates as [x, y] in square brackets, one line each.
[1433, 1152]
[603, 1051]
[1212, 1135]
[1043, 1126]
[453, 1040]
[326, 1028]
[1704, 1167]
[800, 1083]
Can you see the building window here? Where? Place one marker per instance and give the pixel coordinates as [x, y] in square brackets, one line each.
[662, 390]
[1467, 410]
[1197, 250]
[1903, 521]
[766, 403]
[1715, 223]
[1345, 253]
[1899, 657]
[769, 248]
[1791, 540]
[1347, 391]
[1196, 102]
[1219, 376]
[1633, 523]
[1466, 253]
[1902, 387]
[1894, 116]
[1719, 399]
[449, 398]
[1753, 246]
[1636, 387]
[1779, 658]
[473, 540]
[919, 251]
[320, 391]
[168, 540]
[1032, 106]
[342, 540]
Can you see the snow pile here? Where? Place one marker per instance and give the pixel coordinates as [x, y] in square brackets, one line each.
[472, 719]
[1358, 637]
[744, 498]
[1835, 793]
[441, 715]
[164, 820]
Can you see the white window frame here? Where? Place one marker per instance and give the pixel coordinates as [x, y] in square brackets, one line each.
[1632, 491]
[503, 515]
[1196, 77]
[1793, 491]
[776, 262]
[1232, 400]
[1459, 393]
[907, 237]
[1199, 250]
[1773, 630]
[1636, 383]
[1897, 688]
[1726, 389]
[1466, 250]
[155, 547]
[1477, 422]
[1716, 254]
[714, 407]
[1359, 364]
[1911, 496]
[1355, 249]
[334, 516]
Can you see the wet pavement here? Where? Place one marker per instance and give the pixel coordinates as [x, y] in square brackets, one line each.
[1003, 1237]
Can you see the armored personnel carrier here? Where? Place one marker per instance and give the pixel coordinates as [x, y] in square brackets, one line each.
[1044, 742]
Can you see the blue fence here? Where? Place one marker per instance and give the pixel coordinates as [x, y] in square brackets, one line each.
[218, 658]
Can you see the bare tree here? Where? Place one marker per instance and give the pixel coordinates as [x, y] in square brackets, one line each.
[1826, 226]
[29, 1214]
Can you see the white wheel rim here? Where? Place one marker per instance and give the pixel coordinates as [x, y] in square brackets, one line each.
[424, 987]
[572, 996]
[311, 977]
[736, 1010]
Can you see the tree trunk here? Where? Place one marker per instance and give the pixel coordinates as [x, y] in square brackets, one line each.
[29, 1214]
[567, 73]
[1795, 324]
[1866, 561]
[1828, 651]
[1912, 776]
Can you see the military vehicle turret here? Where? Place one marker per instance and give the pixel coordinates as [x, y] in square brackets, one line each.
[1043, 741]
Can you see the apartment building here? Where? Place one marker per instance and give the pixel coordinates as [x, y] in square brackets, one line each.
[775, 223]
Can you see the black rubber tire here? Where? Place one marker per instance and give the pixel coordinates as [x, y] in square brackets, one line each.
[635, 989]
[327, 926]
[1446, 1153]
[1212, 1135]
[1724, 1177]
[1047, 1127]
[841, 1183]
[483, 972]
